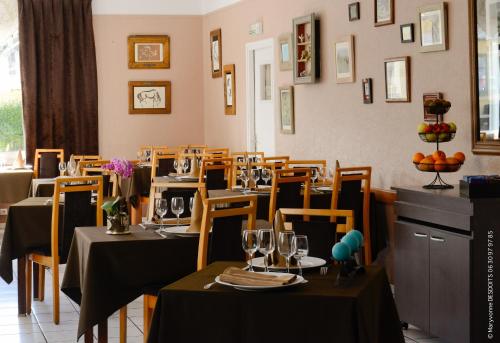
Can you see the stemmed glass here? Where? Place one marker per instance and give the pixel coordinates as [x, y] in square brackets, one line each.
[266, 245]
[255, 176]
[244, 178]
[185, 165]
[249, 243]
[161, 210]
[287, 246]
[176, 166]
[177, 207]
[314, 175]
[266, 175]
[71, 166]
[62, 168]
[321, 175]
[302, 246]
[191, 201]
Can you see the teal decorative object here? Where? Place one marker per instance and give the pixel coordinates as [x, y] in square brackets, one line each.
[358, 235]
[352, 241]
[341, 252]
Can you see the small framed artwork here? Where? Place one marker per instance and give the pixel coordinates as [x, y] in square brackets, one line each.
[216, 52]
[407, 34]
[344, 60]
[397, 79]
[149, 97]
[287, 110]
[149, 52]
[384, 12]
[354, 11]
[433, 27]
[285, 46]
[429, 117]
[367, 91]
[229, 89]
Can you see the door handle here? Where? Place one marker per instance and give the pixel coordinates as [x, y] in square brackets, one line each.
[437, 239]
[420, 235]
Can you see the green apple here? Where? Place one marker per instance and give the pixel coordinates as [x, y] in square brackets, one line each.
[453, 127]
[444, 137]
[431, 137]
[421, 128]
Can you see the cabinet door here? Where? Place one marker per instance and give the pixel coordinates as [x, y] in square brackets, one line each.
[411, 273]
[449, 286]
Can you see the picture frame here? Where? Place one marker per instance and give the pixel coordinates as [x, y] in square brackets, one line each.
[229, 89]
[407, 33]
[433, 27]
[345, 68]
[383, 12]
[367, 90]
[148, 52]
[287, 108]
[216, 53]
[397, 79]
[354, 13]
[149, 97]
[286, 51]
[429, 117]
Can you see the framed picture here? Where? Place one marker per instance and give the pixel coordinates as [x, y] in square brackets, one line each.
[431, 96]
[384, 12]
[229, 89]
[397, 79]
[149, 97]
[286, 48]
[367, 91]
[216, 52]
[344, 60]
[287, 110]
[354, 11]
[407, 34]
[149, 52]
[433, 27]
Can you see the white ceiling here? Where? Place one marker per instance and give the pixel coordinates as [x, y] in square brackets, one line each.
[158, 7]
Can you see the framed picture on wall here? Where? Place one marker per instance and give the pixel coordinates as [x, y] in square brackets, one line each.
[397, 79]
[433, 27]
[287, 110]
[367, 91]
[216, 53]
[149, 52]
[229, 89]
[285, 46]
[407, 34]
[149, 97]
[354, 11]
[344, 60]
[384, 12]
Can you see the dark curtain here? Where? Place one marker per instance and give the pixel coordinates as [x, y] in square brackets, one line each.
[59, 75]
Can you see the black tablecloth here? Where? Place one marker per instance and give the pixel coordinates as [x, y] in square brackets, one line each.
[317, 311]
[106, 272]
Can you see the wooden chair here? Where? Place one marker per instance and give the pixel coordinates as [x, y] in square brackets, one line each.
[238, 166]
[363, 175]
[162, 162]
[222, 152]
[147, 150]
[78, 158]
[282, 159]
[320, 164]
[60, 245]
[287, 187]
[216, 173]
[39, 154]
[192, 148]
[255, 155]
[86, 166]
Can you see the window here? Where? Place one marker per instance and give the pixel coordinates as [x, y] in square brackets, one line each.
[11, 120]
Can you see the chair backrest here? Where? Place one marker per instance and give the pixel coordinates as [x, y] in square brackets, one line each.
[216, 173]
[319, 164]
[286, 190]
[347, 184]
[162, 162]
[78, 158]
[238, 166]
[253, 155]
[94, 168]
[282, 159]
[46, 163]
[212, 211]
[193, 148]
[77, 211]
[147, 150]
[221, 152]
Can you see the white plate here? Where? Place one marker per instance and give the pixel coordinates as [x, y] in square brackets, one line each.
[180, 231]
[297, 281]
[324, 188]
[307, 262]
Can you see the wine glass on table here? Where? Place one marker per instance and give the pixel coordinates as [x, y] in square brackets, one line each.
[314, 175]
[177, 207]
[244, 178]
[249, 242]
[302, 246]
[266, 175]
[266, 245]
[71, 167]
[255, 176]
[62, 168]
[191, 201]
[176, 166]
[185, 165]
[286, 246]
[161, 208]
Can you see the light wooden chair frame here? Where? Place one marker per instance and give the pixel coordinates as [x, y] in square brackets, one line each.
[272, 166]
[258, 154]
[161, 154]
[313, 212]
[225, 164]
[78, 158]
[224, 152]
[38, 155]
[281, 176]
[282, 159]
[307, 163]
[90, 164]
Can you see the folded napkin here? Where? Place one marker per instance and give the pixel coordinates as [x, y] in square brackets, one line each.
[196, 213]
[19, 162]
[240, 277]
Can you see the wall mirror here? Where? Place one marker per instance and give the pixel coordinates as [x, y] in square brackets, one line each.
[485, 75]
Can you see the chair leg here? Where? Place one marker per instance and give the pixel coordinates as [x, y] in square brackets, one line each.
[41, 283]
[123, 324]
[28, 278]
[55, 292]
[149, 305]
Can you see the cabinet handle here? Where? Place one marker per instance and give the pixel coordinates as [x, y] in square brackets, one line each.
[437, 239]
[420, 235]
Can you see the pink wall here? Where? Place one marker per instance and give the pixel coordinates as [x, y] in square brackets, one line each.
[120, 134]
[331, 120]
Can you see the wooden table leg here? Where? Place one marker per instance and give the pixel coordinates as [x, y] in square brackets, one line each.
[136, 214]
[123, 324]
[29, 283]
[21, 285]
[36, 271]
[102, 332]
[89, 336]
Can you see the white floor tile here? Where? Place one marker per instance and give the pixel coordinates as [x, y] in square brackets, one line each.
[23, 338]
[19, 328]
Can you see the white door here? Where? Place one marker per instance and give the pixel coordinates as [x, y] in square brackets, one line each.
[262, 125]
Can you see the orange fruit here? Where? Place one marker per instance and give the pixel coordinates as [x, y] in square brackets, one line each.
[460, 156]
[427, 164]
[453, 164]
[417, 157]
[430, 157]
[440, 165]
[439, 155]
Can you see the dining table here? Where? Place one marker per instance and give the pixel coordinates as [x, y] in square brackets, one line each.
[15, 184]
[357, 310]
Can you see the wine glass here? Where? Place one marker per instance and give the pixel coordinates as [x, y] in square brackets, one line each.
[266, 245]
[314, 175]
[249, 243]
[286, 246]
[71, 167]
[161, 210]
[322, 175]
[177, 207]
[302, 246]
[176, 165]
[244, 178]
[255, 176]
[62, 168]
[185, 165]
[266, 175]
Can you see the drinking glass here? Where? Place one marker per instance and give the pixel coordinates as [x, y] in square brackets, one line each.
[286, 246]
[255, 176]
[176, 165]
[185, 165]
[62, 168]
[314, 175]
[244, 178]
[191, 201]
[249, 242]
[177, 207]
[71, 166]
[321, 175]
[161, 210]
[302, 246]
[266, 175]
[266, 245]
